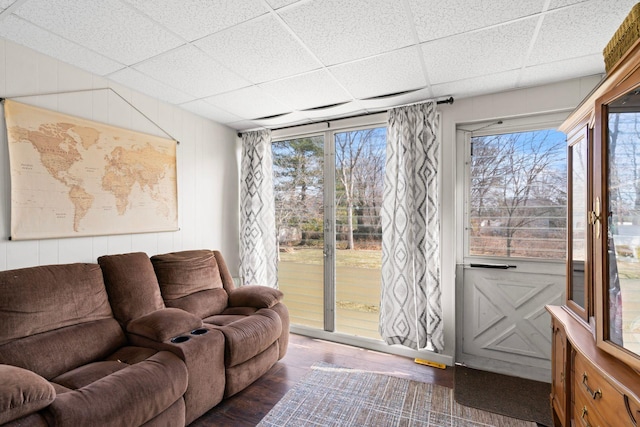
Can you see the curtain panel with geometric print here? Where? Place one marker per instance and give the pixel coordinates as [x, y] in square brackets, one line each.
[410, 307]
[258, 251]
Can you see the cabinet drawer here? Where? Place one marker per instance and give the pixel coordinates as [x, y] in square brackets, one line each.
[584, 414]
[600, 395]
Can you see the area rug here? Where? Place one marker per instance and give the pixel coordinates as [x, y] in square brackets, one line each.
[503, 394]
[335, 396]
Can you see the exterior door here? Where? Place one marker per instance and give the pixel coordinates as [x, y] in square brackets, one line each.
[514, 250]
[328, 191]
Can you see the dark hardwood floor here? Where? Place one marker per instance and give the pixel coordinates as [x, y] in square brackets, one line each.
[248, 407]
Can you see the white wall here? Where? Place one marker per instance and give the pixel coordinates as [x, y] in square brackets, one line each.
[207, 164]
[558, 97]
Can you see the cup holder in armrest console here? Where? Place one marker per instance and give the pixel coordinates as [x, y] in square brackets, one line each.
[180, 339]
[199, 331]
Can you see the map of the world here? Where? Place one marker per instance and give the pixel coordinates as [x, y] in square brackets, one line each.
[75, 177]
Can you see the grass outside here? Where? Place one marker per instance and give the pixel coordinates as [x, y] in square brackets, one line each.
[344, 258]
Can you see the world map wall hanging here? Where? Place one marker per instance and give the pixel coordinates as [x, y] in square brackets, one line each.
[74, 177]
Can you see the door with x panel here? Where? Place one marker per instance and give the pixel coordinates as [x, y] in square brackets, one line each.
[514, 254]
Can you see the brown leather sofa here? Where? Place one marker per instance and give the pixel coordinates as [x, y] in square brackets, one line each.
[96, 344]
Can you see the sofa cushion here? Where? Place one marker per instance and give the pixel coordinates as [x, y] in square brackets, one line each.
[191, 280]
[131, 354]
[44, 298]
[52, 353]
[254, 296]
[22, 392]
[164, 324]
[247, 336]
[130, 396]
[131, 284]
[86, 374]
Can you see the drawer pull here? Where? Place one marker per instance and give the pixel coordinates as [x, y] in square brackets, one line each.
[584, 414]
[594, 394]
[629, 412]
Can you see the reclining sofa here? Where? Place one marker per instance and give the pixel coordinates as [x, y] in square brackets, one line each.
[132, 341]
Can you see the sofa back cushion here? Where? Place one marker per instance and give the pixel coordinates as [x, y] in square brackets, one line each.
[131, 284]
[191, 280]
[40, 299]
[55, 317]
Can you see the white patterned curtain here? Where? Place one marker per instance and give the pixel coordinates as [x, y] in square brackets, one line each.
[258, 252]
[410, 308]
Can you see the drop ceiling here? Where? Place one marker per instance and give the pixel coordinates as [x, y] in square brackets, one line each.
[271, 63]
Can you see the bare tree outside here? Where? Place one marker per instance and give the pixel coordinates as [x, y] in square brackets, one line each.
[360, 159]
[518, 195]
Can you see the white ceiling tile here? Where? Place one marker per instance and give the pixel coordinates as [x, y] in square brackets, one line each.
[343, 110]
[6, 3]
[562, 70]
[209, 111]
[244, 125]
[555, 4]
[250, 102]
[27, 34]
[381, 104]
[190, 70]
[384, 74]
[339, 31]
[587, 25]
[479, 53]
[145, 84]
[259, 50]
[106, 26]
[480, 85]
[310, 90]
[193, 19]
[435, 19]
[291, 119]
[277, 4]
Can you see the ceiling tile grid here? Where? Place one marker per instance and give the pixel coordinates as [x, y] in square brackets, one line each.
[315, 89]
[392, 72]
[588, 25]
[435, 19]
[250, 102]
[238, 61]
[133, 78]
[25, 33]
[339, 31]
[194, 19]
[190, 70]
[478, 53]
[106, 26]
[259, 50]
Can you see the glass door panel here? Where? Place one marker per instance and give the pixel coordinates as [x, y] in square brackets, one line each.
[578, 152]
[359, 179]
[623, 231]
[298, 188]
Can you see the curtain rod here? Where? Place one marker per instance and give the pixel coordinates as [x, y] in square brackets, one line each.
[442, 101]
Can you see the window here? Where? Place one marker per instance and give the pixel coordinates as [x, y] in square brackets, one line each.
[518, 200]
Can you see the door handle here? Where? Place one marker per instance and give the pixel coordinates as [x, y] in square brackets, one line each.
[497, 266]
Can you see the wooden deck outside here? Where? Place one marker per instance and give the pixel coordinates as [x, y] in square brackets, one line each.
[357, 297]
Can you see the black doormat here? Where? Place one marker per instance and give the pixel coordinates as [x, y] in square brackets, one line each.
[503, 394]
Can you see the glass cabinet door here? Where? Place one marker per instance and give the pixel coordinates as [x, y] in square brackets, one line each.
[621, 277]
[578, 275]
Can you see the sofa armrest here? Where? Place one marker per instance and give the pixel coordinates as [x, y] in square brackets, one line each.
[160, 325]
[22, 392]
[254, 296]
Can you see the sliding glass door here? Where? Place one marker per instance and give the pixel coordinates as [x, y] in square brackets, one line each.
[328, 190]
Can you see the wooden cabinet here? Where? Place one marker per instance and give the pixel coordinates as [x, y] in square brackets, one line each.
[590, 387]
[596, 333]
[559, 369]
